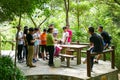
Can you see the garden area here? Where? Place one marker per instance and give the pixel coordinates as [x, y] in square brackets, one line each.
[78, 14]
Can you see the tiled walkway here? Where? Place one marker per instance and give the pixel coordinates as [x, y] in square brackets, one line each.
[79, 71]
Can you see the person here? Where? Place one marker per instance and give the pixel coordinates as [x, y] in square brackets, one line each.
[30, 47]
[25, 49]
[65, 36]
[106, 39]
[96, 44]
[36, 44]
[43, 37]
[70, 34]
[20, 39]
[50, 46]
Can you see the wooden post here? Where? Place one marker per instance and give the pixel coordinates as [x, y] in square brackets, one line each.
[78, 42]
[88, 64]
[104, 57]
[113, 58]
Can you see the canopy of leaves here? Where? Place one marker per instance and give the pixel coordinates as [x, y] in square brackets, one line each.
[11, 8]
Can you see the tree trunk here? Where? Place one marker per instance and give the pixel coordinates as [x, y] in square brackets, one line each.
[66, 3]
[0, 44]
[78, 14]
[33, 21]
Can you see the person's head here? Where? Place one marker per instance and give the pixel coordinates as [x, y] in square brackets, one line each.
[68, 26]
[36, 29]
[31, 30]
[65, 29]
[44, 30]
[51, 26]
[19, 28]
[50, 30]
[25, 29]
[100, 28]
[91, 30]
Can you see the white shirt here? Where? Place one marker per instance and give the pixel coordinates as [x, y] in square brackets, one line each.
[20, 38]
[65, 35]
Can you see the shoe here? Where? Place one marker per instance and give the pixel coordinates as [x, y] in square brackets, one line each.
[32, 66]
[96, 62]
[34, 61]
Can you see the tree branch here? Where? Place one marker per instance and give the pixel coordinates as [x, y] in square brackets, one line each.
[33, 21]
[42, 22]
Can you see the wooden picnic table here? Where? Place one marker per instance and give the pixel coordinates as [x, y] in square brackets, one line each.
[78, 50]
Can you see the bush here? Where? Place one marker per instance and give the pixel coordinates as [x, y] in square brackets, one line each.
[8, 71]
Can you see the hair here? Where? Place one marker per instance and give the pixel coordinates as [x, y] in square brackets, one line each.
[49, 30]
[101, 27]
[51, 25]
[91, 29]
[44, 30]
[64, 27]
[31, 29]
[36, 29]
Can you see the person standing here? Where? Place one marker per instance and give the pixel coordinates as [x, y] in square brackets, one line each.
[70, 34]
[65, 36]
[96, 44]
[25, 49]
[43, 38]
[36, 44]
[20, 39]
[30, 48]
[50, 46]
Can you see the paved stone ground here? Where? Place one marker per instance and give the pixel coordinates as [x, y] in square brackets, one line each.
[42, 68]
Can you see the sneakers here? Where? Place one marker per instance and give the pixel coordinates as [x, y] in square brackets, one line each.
[96, 62]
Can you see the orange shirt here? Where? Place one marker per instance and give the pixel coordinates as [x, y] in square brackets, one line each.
[43, 38]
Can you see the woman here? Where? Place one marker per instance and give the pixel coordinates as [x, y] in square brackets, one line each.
[50, 46]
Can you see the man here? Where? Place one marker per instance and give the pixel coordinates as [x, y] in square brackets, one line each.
[65, 36]
[30, 48]
[106, 39]
[20, 39]
[105, 36]
[43, 38]
[70, 34]
[96, 44]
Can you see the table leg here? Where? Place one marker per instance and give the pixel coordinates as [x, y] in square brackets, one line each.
[78, 57]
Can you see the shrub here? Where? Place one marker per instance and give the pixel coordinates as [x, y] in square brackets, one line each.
[8, 71]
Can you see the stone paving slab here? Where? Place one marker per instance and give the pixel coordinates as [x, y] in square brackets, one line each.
[79, 71]
[74, 70]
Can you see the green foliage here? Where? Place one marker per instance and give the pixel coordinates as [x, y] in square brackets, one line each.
[8, 71]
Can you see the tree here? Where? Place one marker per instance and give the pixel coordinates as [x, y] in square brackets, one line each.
[66, 3]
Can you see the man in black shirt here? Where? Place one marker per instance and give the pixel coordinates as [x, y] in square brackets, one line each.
[106, 39]
[96, 44]
[30, 41]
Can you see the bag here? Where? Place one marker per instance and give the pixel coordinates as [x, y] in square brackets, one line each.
[57, 50]
[57, 62]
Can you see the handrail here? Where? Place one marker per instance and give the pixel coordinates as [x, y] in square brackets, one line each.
[112, 51]
[12, 43]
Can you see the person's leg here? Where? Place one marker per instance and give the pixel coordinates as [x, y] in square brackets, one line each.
[51, 52]
[98, 58]
[31, 56]
[42, 51]
[21, 48]
[92, 61]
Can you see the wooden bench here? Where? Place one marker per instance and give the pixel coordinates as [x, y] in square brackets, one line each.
[112, 51]
[63, 56]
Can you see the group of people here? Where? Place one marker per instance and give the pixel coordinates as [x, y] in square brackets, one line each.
[35, 44]
[98, 43]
